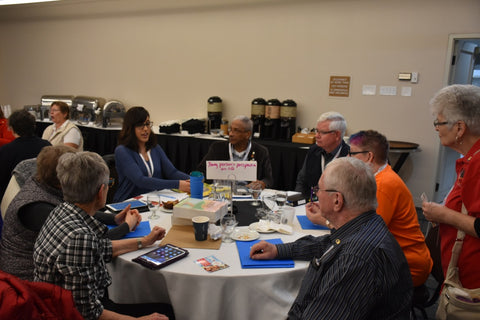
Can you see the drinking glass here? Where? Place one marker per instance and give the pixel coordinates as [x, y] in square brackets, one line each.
[255, 191]
[228, 225]
[280, 198]
[153, 203]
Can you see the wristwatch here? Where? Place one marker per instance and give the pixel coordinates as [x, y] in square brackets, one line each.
[139, 243]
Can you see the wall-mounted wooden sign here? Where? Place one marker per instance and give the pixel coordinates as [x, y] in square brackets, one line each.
[339, 86]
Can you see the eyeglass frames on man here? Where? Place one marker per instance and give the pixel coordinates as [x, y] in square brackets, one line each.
[316, 189]
[322, 133]
[352, 153]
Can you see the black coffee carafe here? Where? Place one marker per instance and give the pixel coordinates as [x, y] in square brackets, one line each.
[271, 126]
[288, 119]
[214, 110]
[258, 115]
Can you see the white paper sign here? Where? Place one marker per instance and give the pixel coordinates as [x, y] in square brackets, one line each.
[242, 170]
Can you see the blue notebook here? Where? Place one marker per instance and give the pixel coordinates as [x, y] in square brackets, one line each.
[247, 263]
[309, 225]
[143, 229]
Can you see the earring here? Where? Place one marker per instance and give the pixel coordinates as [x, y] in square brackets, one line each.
[458, 140]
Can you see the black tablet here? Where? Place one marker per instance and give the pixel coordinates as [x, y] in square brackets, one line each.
[135, 204]
[161, 256]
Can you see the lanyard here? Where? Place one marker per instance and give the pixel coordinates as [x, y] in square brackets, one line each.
[149, 168]
[230, 148]
[336, 156]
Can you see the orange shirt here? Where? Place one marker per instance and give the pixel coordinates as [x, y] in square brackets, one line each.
[395, 205]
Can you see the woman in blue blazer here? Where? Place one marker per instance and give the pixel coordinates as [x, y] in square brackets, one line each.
[141, 164]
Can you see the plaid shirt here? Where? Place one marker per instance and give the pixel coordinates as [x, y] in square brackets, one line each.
[71, 251]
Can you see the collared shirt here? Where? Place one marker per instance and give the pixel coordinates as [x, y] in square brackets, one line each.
[357, 272]
[71, 251]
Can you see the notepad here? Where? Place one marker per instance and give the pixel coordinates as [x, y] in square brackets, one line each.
[247, 263]
[309, 225]
[142, 229]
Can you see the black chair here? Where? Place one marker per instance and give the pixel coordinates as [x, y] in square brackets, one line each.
[110, 160]
[422, 297]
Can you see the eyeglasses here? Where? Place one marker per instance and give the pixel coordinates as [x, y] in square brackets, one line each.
[317, 189]
[236, 130]
[351, 153]
[437, 123]
[148, 124]
[322, 133]
[111, 182]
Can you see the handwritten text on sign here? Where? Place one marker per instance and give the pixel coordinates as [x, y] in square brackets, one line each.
[242, 170]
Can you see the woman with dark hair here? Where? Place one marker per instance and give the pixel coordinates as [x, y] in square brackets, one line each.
[25, 146]
[141, 163]
[6, 135]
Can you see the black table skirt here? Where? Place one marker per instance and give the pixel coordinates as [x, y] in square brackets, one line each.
[186, 152]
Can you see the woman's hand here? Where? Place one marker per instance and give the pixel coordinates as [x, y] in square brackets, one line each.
[157, 233]
[184, 185]
[131, 217]
[434, 212]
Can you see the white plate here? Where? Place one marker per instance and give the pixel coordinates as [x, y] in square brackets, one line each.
[166, 210]
[245, 235]
[254, 227]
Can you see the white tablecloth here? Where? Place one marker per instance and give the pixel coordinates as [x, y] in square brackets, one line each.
[231, 293]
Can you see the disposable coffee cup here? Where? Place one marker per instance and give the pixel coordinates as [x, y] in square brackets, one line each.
[196, 185]
[200, 224]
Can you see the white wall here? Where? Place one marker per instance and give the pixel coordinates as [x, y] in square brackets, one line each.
[170, 56]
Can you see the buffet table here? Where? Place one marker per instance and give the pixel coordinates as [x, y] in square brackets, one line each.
[231, 293]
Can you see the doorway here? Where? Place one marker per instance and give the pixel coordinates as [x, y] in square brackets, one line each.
[462, 67]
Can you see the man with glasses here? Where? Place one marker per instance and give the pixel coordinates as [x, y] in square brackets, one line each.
[395, 202]
[241, 148]
[359, 270]
[331, 127]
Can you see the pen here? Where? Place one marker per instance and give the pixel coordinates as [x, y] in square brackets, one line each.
[311, 194]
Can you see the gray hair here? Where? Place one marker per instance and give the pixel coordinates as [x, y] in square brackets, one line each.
[81, 175]
[355, 180]
[458, 102]
[248, 124]
[337, 123]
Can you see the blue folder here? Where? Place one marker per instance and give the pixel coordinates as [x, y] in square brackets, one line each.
[309, 225]
[142, 229]
[247, 263]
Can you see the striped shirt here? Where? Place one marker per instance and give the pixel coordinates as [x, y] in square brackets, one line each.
[71, 251]
[357, 272]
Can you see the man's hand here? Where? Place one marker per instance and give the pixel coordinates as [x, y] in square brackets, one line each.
[263, 251]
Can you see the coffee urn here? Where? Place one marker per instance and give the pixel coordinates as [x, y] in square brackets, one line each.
[258, 115]
[271, 126]
[214, 109]
[288, 119]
